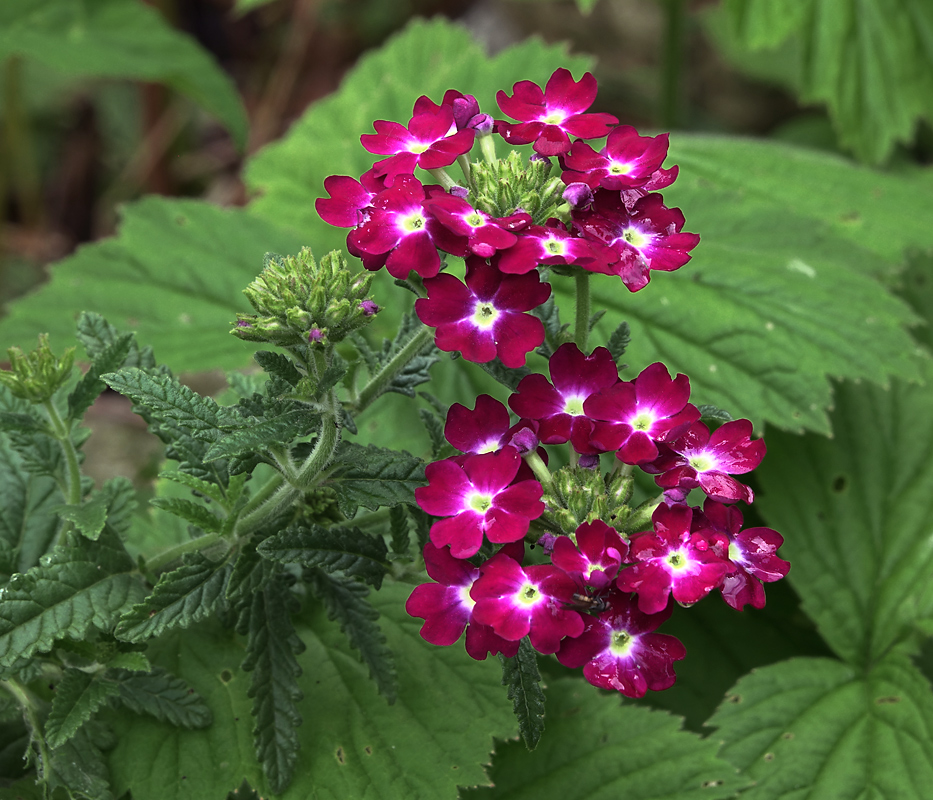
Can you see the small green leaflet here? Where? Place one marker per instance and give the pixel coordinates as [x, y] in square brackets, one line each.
[163, 696]
[373, 477]
[115, 39]
[819, 728]
[90, 386]
[81, 584]
[79, 765]
[78, 695]
[520, 674]
[89, 517]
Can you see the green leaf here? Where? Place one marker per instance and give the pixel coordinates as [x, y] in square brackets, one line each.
[279, 365]
[270, 656]
[90, 386]
[89, 517]
[180, 598]
[164, 398]
[437, 735]
[132, 661]
[244, 791]
[855, 514]
[765, 24]
[174, 274]
[208, 489]
[618, 342]
[250, 571]
[345, 601]
[347, 550]
[783, 292]
[121, 503]
[98, 336]
[596, 748]
[192, 512]
[373, 477]
[520, 674]
[79, 765]
[819, 728]
[114, 39]
[78, 695]
[163, 696]
[259, 434]
[81, 584]
[399, 532]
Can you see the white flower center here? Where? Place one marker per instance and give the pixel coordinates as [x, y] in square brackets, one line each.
[620, 642]
[702, 462]
[480, 503]
[642, 422]
[410, 223]
[636, 238]
[485, 315]
[574, 406]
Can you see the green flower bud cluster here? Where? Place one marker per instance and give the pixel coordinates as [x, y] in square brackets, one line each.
[37, 375]
[299, 301]
[578, 495]
[504, 186]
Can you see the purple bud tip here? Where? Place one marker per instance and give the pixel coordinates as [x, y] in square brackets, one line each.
[588, 461]
[579, 195]
[547, 542]
[465, 108]
[368, 307]
[539, 157]
[242, 323]
[482, 124]
[460, 191]
[524, 440]
[315, 334]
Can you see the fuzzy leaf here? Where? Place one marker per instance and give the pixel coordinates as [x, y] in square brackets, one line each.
[79, 765]
[600, 749]
[347, 550]
[279, 365]
[373, 477]
[174, 273]
[89, 517]
[114, 39]
[208, 489]
[78, 695]
[98, 336]
[259, 434]
[191, 512]
[180, 598]
[619, 341]
[399, 532]
[345, 601]
[250, 571]
[90, 386]
[819, 728]
[520, 674]
[163, 696]
[83, 584]
[270, 656]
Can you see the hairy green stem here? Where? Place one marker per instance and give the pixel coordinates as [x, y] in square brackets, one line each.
[27, 702]
[72, 487]
[381, 379]
[539, 468]
[163, 559]
[641, 516]
[269, 488]
[582, 330]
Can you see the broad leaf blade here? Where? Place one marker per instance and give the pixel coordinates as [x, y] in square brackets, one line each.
[373, 477]
[163, 696]
[78, 695]
[520, 674]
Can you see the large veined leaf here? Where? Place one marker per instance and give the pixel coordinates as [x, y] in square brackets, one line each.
[817, 728]
[856, 514]
[596, 749]
[174, 273]
[436, 736]
[870, 61]
[115, 38]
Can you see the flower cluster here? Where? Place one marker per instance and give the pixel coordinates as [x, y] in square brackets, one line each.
[614, 571]
[511, 222]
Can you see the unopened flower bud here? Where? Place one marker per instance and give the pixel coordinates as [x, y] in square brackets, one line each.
[368, 307]
[578, 195]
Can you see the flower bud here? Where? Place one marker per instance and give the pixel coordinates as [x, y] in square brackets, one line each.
[37, 375]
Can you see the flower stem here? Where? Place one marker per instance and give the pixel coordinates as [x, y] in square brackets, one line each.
[166, 557]
[72, 485]
[539, 468]
[582, 329]
[641, 516]
[27, 702]
[381, 379]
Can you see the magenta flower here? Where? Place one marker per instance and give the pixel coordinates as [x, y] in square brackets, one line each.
[559, 407]
[430, 141]
[484, 234]
[476, 499]
[486, 428]
[632, 417]
[596, 559]
[349, 201]
[671, 559]
[752, 551]
[485, 317]
[400, 235]
[465, 108]
[531, 601]
[552, 244]
[646, 236]
[697, 458]
[627, 161]
[550, 117]
[447, 608]
[619, 649]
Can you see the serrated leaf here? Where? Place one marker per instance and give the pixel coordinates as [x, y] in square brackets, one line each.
[114, 39]
[510, 378]
[855, 513]
[211, 490]
[163, 696]
[79, 765]
[190, 511]
[373, 477]
[437, 735]
[193, 260]
[399, 532]
[83, 584]
[345, 601]
[121, 503]
[132, 661]
[78, 695]
[180, 598]
[259, 434]
[97, 335]
[244, 791]
[89, 517]
[344, 549]
[597, 748]
[279, 365]
[111, 358]
[270, 656]
[250, 571]
[434, 425]
[618, 342]
[520, 674]
[819, 728]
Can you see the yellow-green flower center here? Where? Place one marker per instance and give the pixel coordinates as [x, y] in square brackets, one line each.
[485, 315]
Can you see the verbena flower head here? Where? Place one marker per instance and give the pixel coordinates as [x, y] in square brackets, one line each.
[485, 317]
[552, 245]
[476, 499]
[619, 649]
[628, 161]
[487, 428]
[595, 560]
[484, 234]
[549, 118]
